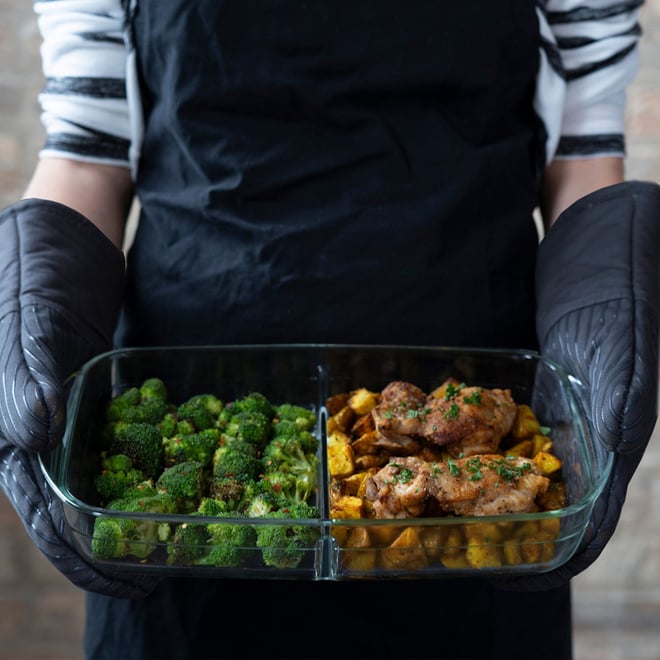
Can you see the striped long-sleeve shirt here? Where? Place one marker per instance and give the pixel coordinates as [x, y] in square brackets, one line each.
[91, 106]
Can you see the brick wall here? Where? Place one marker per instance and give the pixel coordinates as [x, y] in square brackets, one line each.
[41, 613]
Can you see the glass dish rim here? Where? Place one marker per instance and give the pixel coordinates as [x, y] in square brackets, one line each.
[570, 384]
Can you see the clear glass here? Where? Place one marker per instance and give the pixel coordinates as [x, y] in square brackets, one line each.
[308, 375]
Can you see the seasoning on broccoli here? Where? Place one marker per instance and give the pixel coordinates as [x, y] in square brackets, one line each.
[185, 483]
[266, 498]
[250, 426]
[290, 462]
[238, 459]
[142, 442]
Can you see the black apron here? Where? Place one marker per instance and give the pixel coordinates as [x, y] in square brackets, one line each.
[355, 172]
[334, 171]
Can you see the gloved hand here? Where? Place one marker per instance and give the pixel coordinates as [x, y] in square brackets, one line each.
[61, 288]
[598, 315]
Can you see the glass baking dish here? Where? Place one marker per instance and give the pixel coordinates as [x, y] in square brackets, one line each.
[334, 547]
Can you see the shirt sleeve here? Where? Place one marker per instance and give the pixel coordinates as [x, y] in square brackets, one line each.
[84, 100]
[590, 54]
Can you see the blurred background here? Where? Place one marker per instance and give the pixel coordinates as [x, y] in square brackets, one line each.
[616, 601]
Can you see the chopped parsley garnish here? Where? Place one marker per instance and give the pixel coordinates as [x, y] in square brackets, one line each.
[420, 412]
[510, 472]
[404, 474]
[452, 413]
[454, 469]
[474, 398]
[452, 390]
[473, 466]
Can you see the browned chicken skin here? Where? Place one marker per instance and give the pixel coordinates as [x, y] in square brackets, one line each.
[484, 485]
[400, 489]
[398, 414]
[465, 420]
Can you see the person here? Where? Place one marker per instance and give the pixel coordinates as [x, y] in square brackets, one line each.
[297, 163]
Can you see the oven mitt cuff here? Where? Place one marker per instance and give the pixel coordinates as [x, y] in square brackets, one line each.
[61, 288]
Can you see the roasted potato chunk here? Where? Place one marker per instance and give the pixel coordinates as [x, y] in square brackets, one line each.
[547, 463]
[525, 423]
[405, 552]
[341, 458]
[362, 401]
[341, 420]
[347, 507]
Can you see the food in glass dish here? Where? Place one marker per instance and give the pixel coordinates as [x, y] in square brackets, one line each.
[220, 464]
[458, 451]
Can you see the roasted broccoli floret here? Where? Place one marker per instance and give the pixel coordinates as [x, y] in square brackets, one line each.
[142, 442]
[230, 543]
[290, 417]
[288, 448]
[253, 402]
[122, 405]
[210, 507]
[225, 544]
[117, 475]
[185, 482]
[211, 402]
[229, 490]
[168, 426]
[285, 545]
[111, 538]
[148, 403]
[141, 490]
[150, 411]
[266, 499]
[285, 484]
[189, 543]
[201, 411]
[153, 388]
[294, 455]
[191, 447]
[118, 537]
[237, 458]
[148, 502]
[206, 459]
[253, 427]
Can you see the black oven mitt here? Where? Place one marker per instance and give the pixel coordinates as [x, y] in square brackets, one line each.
[598, 301]
[61, 288]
